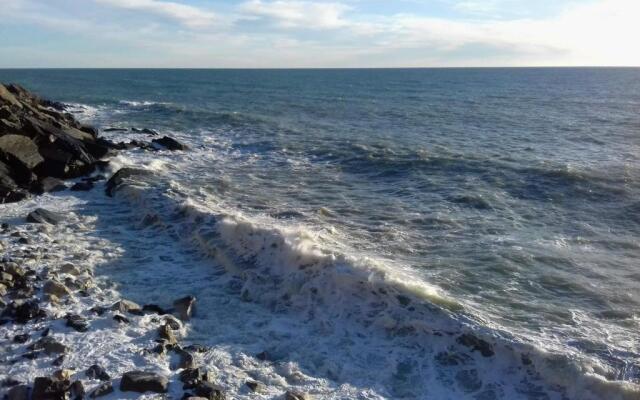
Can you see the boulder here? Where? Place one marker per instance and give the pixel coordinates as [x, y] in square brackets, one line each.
[20, 392]
[169, 143]
[294, 395]
[43, 216]
[77, 390]
[23, 148]
[77, 322]
[27, 311]
[209, 391]
[142, 381]
[102, 390]
[123, 176]
[8, 98]
[184, 307]
[97, 372]
[165, 332]
[50, 184]
[55, 288]
[127, 306]
[46, 388]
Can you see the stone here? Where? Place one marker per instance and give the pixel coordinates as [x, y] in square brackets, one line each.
[254, 386]
[51, 184]
[20, 392]
[142, 381]
[169, 143]
[77, 390]
[172, 322]
[209, 391]
[77, 322]
[49, 345]
[3, 289]
[165, 332]
[6, 97]
[55, 288]
[293, 395]
[186, 359]
[21, 338]
[42, 216]
[102, 390]
[23, 148]
[58, 361]
[62, 374]
[121, 319]
[476, 344]
[27, 311]
[97, 372]
[127, 306]
[191, 377]
[70, 269]
[46, 388]
[121, 177]
[184, 307]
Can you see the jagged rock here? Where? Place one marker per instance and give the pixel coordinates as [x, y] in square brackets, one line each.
[172, 322]
[191, 377]
[146, 131]
[121, 319]
[45, 388]
[169, 143]
[142, 381]
[51, 184]
[49, 345]
[70, 269]
[186, 359]
[476, 344]
[21, 338]
[58, 361]
[102, 390]
[125, 306]
[121, 177]
[97, 372]
[77, 390]
[62, 374]
[20, 392]
[254, 386]
[23, 148]
[78, 323]
[293, 395]
[184, 307]
[27, 311]
[42, 216]
[3, 289]
[55, 288]
[165, 332]
[209, 391]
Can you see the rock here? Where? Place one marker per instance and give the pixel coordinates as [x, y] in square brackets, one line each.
[58, 361]
[97, 372]
[78, 323]
[184, 307]
[293, 395]
[6, 97]
[62, 374]
[209, 391]
[165, 332]
[3, 289]
[82, 186]
[51, 184]
[27, 311]
[45, 388]
[55, 288]
[169, 143]
[186, 359]
[23, 148]
[172, 322]
[476, 344]
[21, 338]
[191, 377]
[146, 131]
[102, 390]
[77, 390]
[125, 306]
[254, 386]
[42, 216]
[121, 319]
[20, 392]
[70, 269]
[49, 345]
[121, 177]
[141, 381]
[196, 348]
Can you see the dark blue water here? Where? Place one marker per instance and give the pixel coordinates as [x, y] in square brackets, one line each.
[514, 192]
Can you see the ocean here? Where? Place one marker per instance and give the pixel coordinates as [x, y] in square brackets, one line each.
[377, 230]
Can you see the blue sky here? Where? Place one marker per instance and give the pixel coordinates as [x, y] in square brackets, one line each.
[318, 33]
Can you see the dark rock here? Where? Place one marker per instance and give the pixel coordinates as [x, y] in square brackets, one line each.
[172, 322]
[20, 392]
[58, 361]
[82, 186]
[49, 345]
[121, 177]
[165, 332]
[51, 184]
[121, 319]
[23, 148]
[45, 388]
[78, 323]
[27, 311]
[197, 348]
[209, 391]
[253, 386]
[9, 382]
[114, 129]
[24, 240]
[476, 344]
[184, 307]
[97, 372]
[77, 390]
[102, 390]
[263, 356]
[186, 359]
[293, 395]
[146, 131]
[153, 308]
[32, 355]
[21, 338]
[127, 306]
[169, 143]
[42, 216]
[141, 381]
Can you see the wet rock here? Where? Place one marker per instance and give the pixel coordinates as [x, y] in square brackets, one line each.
[114, 129]
[197, 348]
[70, 269]
[45, 388]
[263, 356]
[62, 374]
[165, 332]
[209, 391]
[102, 390]
[293, 395]
[21, 338]
[27, 311]
[184, 307]
[3, 289]
[172, 322]
[9, 382]
[58, 361]
[51, 184]
[97, 372]
[127, 306]
[146, 131]
[186, 359]
[169, 143]
[49, 345]
[142, 381]
[77, 322]
[55, 288]
[20, 392]
[82, 186]
[254, 386]
[77, 390]
[121, 319]
[121, 177]
[476, 344]
[42, 216]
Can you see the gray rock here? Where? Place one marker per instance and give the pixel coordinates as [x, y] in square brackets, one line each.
[23, 148]
[102, 390]
[78, 323]
[20, 392]
[142, 381]
[51, 184]
[165, 332]
[77, 390]
[209, 391]
[293, 395]
[127, 306]
[55, 288]
[123, 176]
[169, 143]
[97, 372]
[46, 388]
[42, 216]
[184, 307]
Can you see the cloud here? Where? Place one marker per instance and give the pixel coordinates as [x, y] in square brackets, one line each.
[187, 15]
[298, 14]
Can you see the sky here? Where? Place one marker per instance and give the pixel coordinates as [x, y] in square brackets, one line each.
[318, 33]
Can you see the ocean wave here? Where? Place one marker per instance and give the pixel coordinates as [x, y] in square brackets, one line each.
[295, 269]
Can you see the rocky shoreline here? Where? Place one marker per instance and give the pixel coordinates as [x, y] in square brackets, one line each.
[46, 298]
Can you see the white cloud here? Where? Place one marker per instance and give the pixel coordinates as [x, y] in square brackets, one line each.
[298, 14]
[190, 16]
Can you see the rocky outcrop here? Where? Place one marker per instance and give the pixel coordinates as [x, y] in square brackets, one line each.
[142, 381]
[38, 140]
